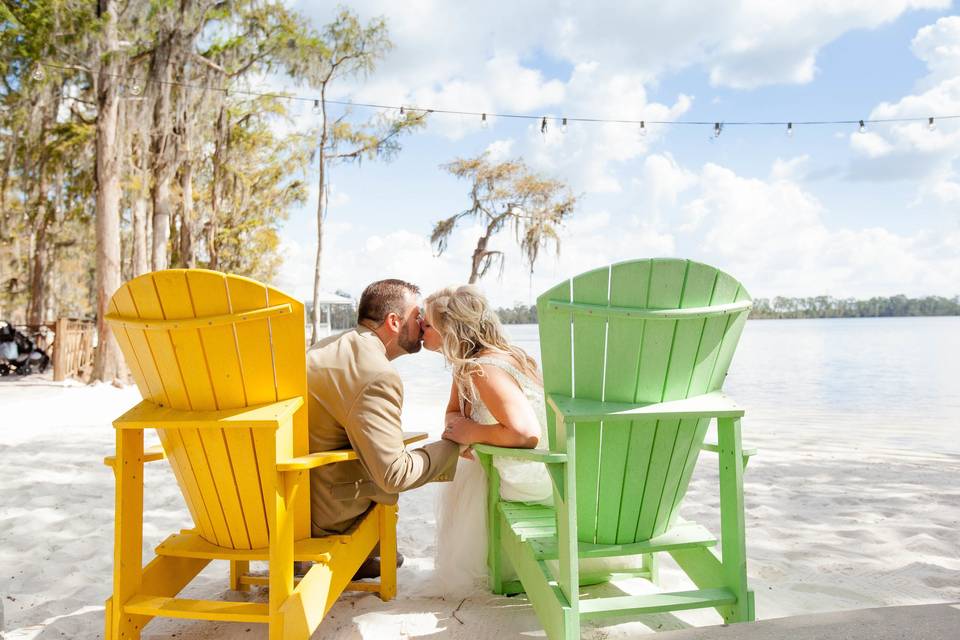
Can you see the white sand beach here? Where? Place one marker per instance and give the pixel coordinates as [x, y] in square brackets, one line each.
[842, 514]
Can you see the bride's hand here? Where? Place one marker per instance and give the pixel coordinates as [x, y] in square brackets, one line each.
[459, 430]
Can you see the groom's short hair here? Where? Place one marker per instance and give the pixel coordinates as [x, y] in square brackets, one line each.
[384, 297]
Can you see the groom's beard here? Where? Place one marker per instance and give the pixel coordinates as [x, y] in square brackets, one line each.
[410, 343]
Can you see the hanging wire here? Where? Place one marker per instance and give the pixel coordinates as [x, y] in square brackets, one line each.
[522, 116]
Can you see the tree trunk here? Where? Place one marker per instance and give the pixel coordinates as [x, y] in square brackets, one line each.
[187, 257]
[107, 365]
[321, 202]
[161, 224]
[161, 147]
[141, 264]
[37, 309]
[478, 255]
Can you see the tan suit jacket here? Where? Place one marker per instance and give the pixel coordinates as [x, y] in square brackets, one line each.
[355, 400]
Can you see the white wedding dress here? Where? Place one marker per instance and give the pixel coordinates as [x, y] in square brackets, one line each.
[461, 509]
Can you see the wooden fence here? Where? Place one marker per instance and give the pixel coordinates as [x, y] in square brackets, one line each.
[73, 348]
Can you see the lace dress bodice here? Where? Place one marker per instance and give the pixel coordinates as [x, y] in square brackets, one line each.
[520, 480]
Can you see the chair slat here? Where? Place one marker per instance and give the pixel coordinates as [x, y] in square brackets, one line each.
[620, 488]
[173, 446]
[208, 292]
[666, 286]
[253, 340]
[697, 290]
[151, 386]
[126, 346]
[589, 350]
[200, 465]
[224, 473]
[174, 296]
[243, 458]
[288, 346]
[555, 351]
[639, 456]
[684, 443]
[145, 297]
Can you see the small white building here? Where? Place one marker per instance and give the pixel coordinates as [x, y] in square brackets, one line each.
[325, 303]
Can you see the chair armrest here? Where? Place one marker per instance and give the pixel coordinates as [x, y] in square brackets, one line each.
[314, 460]
[534, 455]
[150, 454]
[710, 405]
[148, 415]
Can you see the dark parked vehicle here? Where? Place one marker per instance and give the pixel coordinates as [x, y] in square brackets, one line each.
[19, 354]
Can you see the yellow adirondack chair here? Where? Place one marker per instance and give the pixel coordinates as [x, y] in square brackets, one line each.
[220, 363]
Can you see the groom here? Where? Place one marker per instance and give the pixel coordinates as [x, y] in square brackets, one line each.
[355, 398]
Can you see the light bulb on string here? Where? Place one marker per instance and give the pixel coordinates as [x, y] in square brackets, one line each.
[931, 125]
[863, 127]
[543, 126]
[643, 128]
[135, 89]
[483, 121]
[717, 128]
[789, 129]
[402, 111]
[316, 107]
[563, 126]
[38, 73]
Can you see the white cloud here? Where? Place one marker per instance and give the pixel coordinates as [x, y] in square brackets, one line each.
[911, 151]
[774, 236]
[792, 169]
[500, 150]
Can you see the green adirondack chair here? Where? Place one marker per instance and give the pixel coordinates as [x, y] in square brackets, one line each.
[634, 356]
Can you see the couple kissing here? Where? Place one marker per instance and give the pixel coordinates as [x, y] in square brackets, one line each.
[356, 397]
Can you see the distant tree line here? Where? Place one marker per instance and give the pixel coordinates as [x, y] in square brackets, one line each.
[876, 307]
[811, 307]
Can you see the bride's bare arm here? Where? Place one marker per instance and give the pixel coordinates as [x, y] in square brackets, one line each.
[517, 424]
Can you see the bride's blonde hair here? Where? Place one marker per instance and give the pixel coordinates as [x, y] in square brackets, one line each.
[468, 326]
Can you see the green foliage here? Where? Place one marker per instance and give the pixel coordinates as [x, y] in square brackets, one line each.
[244, 175]
[876, 307]
[506, 194]
[812, 307]
[518, 314]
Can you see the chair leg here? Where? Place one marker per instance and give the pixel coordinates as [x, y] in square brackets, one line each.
[652, 563]
[127, 535]
[281, 555]
[238, 569]
[388, 551]
[732, 522]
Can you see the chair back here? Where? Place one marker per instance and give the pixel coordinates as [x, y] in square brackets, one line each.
[201, 341]
[641, 332]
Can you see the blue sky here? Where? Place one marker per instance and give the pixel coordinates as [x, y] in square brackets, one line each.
[828, 211]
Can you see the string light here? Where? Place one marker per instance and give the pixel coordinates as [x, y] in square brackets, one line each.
[135, 89]
[930, 124]
[483, 120]
[37, 73]
[316, 107]
[563, 126]
[789, 129]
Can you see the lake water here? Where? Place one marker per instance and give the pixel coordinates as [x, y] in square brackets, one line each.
[828, 383]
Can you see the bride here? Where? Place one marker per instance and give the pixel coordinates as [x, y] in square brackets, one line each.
[496, 398]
